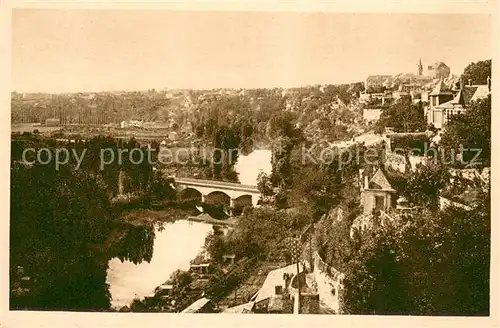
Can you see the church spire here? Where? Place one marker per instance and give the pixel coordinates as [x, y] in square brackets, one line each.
[420, 67]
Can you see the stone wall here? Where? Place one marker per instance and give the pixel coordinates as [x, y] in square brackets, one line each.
[329, 282]
[395, 161]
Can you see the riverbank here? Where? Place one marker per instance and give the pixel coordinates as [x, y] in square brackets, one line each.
[175, 245]
[171, 212]
[205, 218]
[152, 216]
[179, 236]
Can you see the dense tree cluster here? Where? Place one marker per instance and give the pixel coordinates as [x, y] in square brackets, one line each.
[425, 184]
[58, 221]
[478, 72]
[403, 117]
[430, 263]
[64, 228]
[122, 166]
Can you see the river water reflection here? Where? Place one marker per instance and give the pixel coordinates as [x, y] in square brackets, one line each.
[174, 246]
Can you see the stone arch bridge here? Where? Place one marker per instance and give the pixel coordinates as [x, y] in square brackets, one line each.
[218, 192]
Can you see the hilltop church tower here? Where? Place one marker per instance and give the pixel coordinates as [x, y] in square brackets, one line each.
[420, 68]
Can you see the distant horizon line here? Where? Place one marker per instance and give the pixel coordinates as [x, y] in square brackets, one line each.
[187, 88]
[221, 87]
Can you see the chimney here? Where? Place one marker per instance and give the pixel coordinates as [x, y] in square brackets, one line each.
[461, 83]
[489, 83]
[470, 82]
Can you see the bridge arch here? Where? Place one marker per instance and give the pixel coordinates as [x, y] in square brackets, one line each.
[218, 198]
[220, 192]
[239, 203]
[190, 194]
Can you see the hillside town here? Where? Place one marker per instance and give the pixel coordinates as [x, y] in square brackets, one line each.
[328, 227]
[250, 163]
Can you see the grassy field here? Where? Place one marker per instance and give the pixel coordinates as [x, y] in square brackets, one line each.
[30, 128]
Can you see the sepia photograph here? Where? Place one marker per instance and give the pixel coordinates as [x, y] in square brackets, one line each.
[250, 162]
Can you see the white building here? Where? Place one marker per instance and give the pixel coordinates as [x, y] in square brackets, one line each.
[440, 111]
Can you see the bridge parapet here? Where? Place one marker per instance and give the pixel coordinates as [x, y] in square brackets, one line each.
[218, 185]
[214, 182]
[233, 190]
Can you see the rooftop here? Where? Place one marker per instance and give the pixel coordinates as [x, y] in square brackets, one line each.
[242, 308]
[466, 95]
[273, 279]
[482, 92]
[437, 64]
[441, 89]
[379, 181]
[196, 306]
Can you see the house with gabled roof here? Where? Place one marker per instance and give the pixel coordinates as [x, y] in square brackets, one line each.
[440, 94]
[377, 199]
[439, 114]
[375, 81]
[377, 193]
[438, 70]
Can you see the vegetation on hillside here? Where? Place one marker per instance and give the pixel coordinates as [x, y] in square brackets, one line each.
[429, 263]
[470, 132]
[403, 117]
[65, 226]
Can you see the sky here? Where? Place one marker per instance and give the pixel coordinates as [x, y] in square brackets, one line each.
[55, 50]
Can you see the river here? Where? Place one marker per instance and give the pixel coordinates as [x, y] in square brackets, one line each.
[249, 167]
[174, 246]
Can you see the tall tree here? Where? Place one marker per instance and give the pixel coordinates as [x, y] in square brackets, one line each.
[478, 72]
[317, 189]
[403, 117]
[424, 185]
